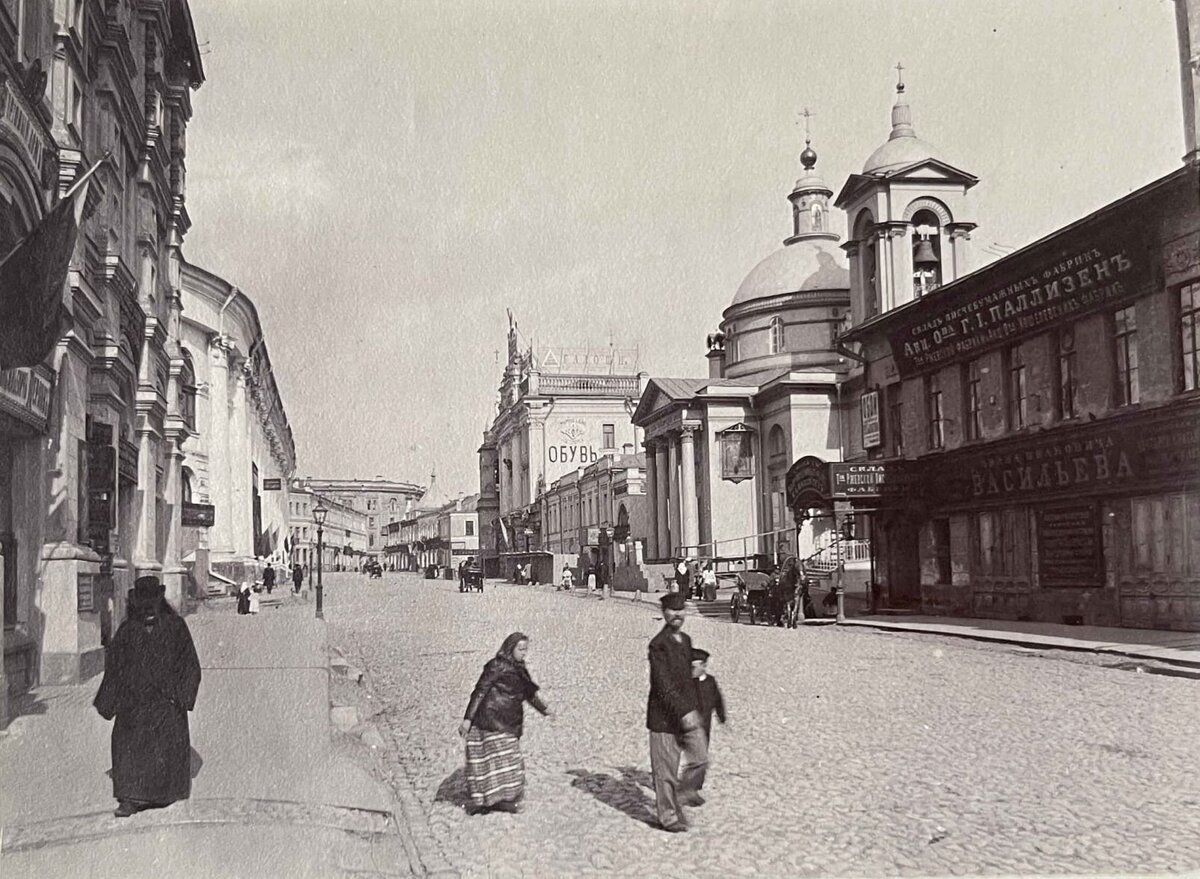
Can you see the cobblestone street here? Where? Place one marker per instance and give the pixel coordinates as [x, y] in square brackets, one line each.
[849, 752]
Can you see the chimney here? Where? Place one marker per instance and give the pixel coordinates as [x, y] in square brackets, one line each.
[1187, 25]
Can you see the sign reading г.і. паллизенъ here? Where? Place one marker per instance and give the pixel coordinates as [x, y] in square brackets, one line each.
[1010, 303]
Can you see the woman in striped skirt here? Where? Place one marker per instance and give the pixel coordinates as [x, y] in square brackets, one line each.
[493, 724]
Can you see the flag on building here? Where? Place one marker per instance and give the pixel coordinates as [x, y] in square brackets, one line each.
[32, 314]
[504, 533]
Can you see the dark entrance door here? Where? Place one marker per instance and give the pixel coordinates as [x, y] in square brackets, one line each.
[903, 565]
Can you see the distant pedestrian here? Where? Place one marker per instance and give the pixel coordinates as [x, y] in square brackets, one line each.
[297, 578]
[683, 576]
[151, 677]
[567, 581]
[254, 600]
[678, 749]
[708, 695]
[492, 727]
[243, 598]
[269, 578]
[591, 580]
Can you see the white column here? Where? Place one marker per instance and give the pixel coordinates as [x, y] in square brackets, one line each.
[651, 538]
[537, 453]
[241, 514]
[146, 552]
[219, 475]
[661, 517]
[173, 569]
[673, 491]
[687, 491]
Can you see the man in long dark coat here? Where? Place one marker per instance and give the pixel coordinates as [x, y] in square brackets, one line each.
[678, 750]
[151, 677]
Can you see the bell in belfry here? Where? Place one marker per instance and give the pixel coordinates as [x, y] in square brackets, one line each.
[924, 256]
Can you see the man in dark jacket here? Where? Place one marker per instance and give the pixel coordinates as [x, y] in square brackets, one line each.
[678, 751]
[269, 578]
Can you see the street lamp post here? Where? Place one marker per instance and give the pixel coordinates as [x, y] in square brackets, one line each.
[319, 514]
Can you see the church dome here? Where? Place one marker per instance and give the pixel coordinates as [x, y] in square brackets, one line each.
[811, 264]
[898, 152]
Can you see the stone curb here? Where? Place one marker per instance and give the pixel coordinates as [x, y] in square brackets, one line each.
[423, 852]
[1039, 642]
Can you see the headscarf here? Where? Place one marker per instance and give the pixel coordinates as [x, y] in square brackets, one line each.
[510, 644]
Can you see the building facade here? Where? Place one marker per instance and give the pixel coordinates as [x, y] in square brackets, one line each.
[559, 408]
[382, 501]
[343, 539]
[437, 531]
[610, 495]
[1048, 408]
[239, 463]
[91, 458]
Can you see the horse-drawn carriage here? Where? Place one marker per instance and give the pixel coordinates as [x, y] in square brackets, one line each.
[470, 576]
[753, 597]
[780, 598]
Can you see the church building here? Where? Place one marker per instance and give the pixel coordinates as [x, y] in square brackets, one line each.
[718, 447]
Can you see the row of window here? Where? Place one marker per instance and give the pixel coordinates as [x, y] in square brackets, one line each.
[1065, 387]
[1163, 538]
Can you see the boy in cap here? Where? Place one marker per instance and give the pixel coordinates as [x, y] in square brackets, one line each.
[708, 697]
[678, 747]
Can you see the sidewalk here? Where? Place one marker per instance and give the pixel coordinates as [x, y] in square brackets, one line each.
[1173, 648]
[270, 794]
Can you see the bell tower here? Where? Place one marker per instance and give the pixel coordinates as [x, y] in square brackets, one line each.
[908, 217]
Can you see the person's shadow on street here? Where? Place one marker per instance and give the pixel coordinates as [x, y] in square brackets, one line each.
[623, 794]
[453, 789]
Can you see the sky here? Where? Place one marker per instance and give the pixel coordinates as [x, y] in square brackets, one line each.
[384, 179]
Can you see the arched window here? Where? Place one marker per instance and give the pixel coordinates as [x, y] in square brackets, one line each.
[864, 234]
[777, 442]
[731, 344]
[776, 340]
[927, 253]
[185, 480]
[818, 216]
[187, 386]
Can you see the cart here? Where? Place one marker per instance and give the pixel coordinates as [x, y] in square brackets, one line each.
[752, 597]
[470, 577]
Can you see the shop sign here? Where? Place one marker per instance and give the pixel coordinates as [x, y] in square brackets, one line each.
[272, 485]
[807, 484]
[25, 394]
[85, 593]
[198, 515]
[1101, 457]
[1011, 303]
[1069, 552]
[874, 480]
[869, 409]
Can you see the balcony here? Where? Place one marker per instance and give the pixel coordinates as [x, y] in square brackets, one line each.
[620, 386]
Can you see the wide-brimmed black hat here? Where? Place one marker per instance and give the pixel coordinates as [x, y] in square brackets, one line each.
[673, 601]
[699, 655]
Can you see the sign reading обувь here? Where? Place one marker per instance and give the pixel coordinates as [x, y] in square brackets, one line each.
[1009, 303]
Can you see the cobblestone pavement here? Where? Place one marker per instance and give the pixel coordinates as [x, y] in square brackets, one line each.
[849, 751]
